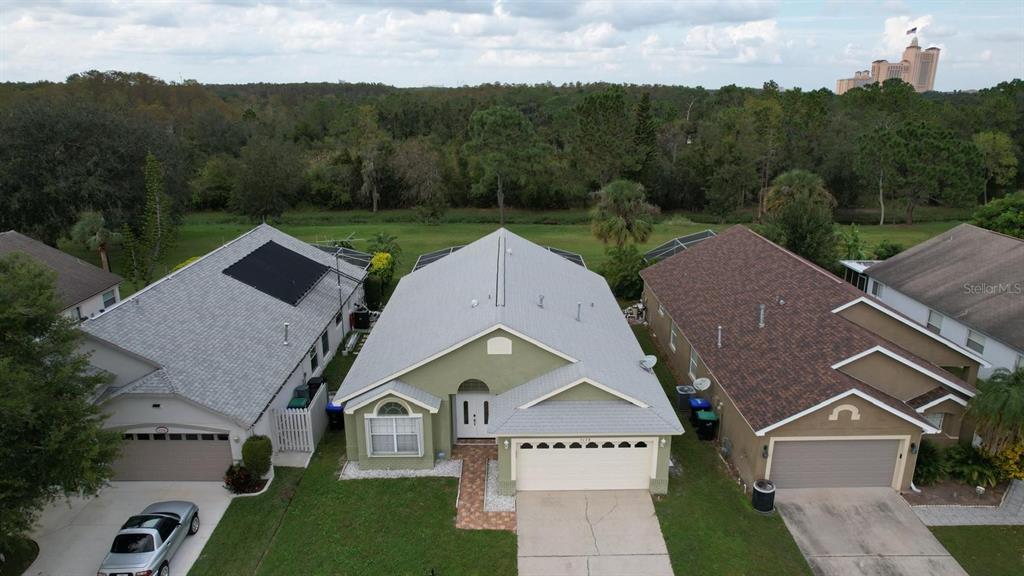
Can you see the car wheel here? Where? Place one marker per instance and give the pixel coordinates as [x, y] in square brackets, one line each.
[193, 526]
[165, 570]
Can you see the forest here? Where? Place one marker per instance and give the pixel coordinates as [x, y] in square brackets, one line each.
[260, 149]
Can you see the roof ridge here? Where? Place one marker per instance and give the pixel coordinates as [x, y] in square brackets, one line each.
[835, 279]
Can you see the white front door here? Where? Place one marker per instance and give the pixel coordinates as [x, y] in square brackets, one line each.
[472, 415]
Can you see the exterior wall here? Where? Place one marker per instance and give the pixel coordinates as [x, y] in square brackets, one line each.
[145, 412]
[998, 354]
[125, 367]
[890, 376]
[91, 306]
[952, 423]
[356, 441]
[582, 391]
[909, 339]
[659, 483]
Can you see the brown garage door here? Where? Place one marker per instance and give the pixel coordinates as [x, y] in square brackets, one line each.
[834, 463]
[197, 456]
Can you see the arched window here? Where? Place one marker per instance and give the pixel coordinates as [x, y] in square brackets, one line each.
[591, 444]
[623, 444]
[575, 445]
[608, 445]
[558, 445]
[392, 409]
[640, 445]
[542, 446]
[499, 346]
[526, 446]
[474, 385]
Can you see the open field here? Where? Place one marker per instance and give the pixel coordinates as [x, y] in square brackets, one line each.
[203, 232]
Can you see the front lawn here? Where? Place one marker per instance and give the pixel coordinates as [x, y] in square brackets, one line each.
[988, 550]
[313, 523]
[708, 523]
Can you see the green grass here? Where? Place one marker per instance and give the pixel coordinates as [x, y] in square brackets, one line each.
[19, 558]
[202, 232]
[707, 521]
[985, 550]
[247, 529]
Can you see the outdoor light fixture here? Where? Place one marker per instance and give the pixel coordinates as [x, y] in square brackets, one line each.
[913, 448]
[764, 451]
[662, 442]
[506, 444]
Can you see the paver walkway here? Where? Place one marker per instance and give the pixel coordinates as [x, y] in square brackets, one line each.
[1010, 512]
[471, 514]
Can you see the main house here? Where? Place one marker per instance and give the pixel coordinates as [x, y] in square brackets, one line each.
[816, 384]
[507, 341]
[966, 285]
[84, 290]
[210, 354]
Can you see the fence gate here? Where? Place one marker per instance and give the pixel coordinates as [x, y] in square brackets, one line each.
[298, 430]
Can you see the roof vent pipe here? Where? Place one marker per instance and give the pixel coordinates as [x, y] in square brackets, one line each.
[540, 301]
[760, 321]
[579, 310]
[285, 333]
[719, 335]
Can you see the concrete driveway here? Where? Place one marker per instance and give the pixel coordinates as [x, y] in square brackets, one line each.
[590, 534]
[74, 539]
[855, 531]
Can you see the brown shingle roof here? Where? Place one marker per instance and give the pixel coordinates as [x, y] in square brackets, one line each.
[936, 272]
[777, 371]
[931, 396]
[76, 280]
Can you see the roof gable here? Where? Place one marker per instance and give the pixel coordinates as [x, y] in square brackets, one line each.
[76, 280]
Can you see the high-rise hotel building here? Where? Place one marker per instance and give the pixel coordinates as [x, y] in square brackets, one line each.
[917, 68]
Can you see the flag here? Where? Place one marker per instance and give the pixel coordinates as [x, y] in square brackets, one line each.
[912, 31]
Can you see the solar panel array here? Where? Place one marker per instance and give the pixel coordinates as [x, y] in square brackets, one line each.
[278, 271]
[353, 257]
[676, 245]
[570, 256]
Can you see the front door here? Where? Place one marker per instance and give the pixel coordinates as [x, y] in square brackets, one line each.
[472, 415]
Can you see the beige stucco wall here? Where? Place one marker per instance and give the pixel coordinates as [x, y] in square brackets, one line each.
[952, 423]
[889, 376]
[145, 412]
[910, 339]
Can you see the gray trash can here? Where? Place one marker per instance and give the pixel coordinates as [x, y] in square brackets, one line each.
[763, 496]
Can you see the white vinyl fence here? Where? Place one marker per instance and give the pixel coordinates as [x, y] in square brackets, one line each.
[299, 429]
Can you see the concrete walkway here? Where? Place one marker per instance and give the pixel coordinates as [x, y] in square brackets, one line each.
[862, 532]
[609, 533]
[1010, 512]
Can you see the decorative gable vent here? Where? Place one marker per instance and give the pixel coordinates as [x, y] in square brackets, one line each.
[499, 346]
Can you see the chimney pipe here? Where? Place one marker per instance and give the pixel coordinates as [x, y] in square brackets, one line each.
[540, 302]
[719, 335]
[285, 333]
[579, 310]
[760, 322]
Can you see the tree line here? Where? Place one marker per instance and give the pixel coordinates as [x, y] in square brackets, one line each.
[260, 149]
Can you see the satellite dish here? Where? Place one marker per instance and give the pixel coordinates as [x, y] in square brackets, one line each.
[702, 384]
[648, 362]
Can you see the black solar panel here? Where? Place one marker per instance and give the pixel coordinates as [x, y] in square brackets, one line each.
[431, 257]
[278, 271]
[570, 256]
[353, 257]
[678, 244]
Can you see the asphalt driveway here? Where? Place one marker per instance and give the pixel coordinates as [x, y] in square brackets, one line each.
[73, 539]
[590, 534]
[862, 531]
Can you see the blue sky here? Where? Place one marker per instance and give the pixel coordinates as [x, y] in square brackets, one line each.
[450, 43]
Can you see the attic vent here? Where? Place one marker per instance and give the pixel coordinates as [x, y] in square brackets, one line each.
[540, 301]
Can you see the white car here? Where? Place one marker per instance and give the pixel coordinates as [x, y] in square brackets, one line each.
[148, 541]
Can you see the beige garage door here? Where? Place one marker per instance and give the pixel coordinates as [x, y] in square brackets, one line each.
[584, 464]
[200, 456]
[834, 463]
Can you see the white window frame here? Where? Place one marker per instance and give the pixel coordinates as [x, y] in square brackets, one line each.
[661, 309]
[977, 338]
[877, 288]
[325, 343]
[672, 336]
[936, 419]
[1019, 363]
[313, 355]
[369, 418]
[113, 298]
[693, 364]
[931, 325]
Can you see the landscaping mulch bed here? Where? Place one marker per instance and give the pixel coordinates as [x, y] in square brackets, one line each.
[951, 492]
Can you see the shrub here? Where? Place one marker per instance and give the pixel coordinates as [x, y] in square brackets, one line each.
[372, 290]
[972, 466]
[382, 265]
[256, 453]
[240, 480]
[887, 249]
[622, 270]
[1010, 461]
[931, 464]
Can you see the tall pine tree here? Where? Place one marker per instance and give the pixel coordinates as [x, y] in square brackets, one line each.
[145, 248]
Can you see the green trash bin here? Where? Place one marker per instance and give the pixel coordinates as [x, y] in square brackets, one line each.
[707, 425]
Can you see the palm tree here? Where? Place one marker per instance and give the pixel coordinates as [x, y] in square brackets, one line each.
[622, 213]
[798, 185]
[91, 231]
[999, 408]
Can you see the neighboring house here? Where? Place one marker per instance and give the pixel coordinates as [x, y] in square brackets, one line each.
[815, 384]
[966, 285]
[84, 290]
[206, 356]
[507, 341]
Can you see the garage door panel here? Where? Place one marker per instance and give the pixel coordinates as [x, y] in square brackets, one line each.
[181, 460]
[600, 468]
[834, 463]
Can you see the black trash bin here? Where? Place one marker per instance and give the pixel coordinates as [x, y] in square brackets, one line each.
[763, 496]
[683, 395]
[707, 425]
[335, 416]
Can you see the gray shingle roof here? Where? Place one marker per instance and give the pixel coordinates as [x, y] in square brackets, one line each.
[220, 341]
[399, 387]
[432, 310]
[941, 272]
[76, 280]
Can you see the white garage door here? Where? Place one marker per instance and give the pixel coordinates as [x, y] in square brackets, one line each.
[834, 463]
[584, 464]
[190, 457]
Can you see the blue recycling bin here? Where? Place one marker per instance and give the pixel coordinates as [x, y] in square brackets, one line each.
[696, 405]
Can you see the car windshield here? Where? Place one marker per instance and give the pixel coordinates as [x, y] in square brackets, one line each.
[145, 521]
[132, 544]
